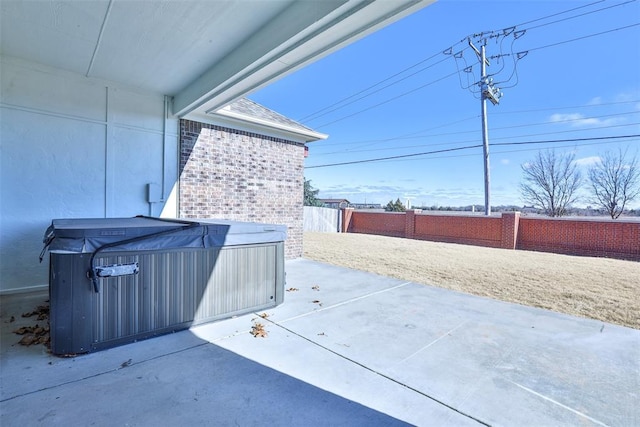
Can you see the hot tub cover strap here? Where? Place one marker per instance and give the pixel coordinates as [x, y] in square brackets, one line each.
[93, 274]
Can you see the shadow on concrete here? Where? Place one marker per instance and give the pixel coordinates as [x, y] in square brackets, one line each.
[176, 379]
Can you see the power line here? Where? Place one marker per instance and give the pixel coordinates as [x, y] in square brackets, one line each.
[403, 136]
[580, 15]
[532, 110]
[498, 128]
[472, 140]
[522, 150]
[570, 107]
[564, 146]
[559, 13]
[394, 157]
[551, 141]
[585, 37]
[314, 115]
[470, 147]
[328, 111]
[516, 32]
[507, 29]
[388, 100]
[336, 106]
[449, 75]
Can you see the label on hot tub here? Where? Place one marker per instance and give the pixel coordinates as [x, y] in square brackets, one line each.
[117, 270]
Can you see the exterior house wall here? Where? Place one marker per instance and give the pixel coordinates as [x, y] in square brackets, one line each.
[74, 147]
[239, 175]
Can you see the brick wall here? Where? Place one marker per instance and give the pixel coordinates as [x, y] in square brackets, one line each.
[381, 223]
[231, 174]
[601, 238]
[476, 230]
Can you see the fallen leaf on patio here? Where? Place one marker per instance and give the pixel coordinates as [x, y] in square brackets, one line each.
[42, 311]
[258, 330]
[13, 319]
[28, 340]
[125, 364]
[315, 301]
[322, 333]
[292, 289]
[315, 288]
[264, 315]
[35, 334]
[68, 355]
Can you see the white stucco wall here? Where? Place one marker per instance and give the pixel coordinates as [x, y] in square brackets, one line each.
[73, 147]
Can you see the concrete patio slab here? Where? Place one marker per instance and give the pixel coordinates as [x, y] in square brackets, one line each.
[346, 348]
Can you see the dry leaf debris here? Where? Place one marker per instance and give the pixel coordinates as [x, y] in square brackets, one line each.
[257, 330]
[292, 289]
[42, 311]
[37, 334]
[315, 288]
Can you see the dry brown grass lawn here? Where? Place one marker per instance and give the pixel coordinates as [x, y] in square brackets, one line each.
[597, 288]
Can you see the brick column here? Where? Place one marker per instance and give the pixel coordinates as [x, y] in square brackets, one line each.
[346, 219]
[510, 221]
[410, 223]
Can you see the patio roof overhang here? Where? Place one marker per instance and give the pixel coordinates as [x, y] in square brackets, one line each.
[204, 54]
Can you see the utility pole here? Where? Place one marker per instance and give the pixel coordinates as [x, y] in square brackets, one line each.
[493, 94]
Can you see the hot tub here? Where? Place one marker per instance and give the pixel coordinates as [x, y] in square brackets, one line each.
[114, 281]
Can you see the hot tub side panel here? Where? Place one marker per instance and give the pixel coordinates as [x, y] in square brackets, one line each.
[173, 290]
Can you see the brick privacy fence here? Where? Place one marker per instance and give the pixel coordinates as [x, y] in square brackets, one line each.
[232, 174]
[588, 237]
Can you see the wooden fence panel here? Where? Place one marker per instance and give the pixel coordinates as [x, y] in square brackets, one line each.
[324, 220]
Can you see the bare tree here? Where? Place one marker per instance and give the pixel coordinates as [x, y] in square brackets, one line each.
[615, 181]
[550, 182]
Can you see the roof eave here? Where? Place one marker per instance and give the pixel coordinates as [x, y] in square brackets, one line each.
[334, 28]
[245, 122]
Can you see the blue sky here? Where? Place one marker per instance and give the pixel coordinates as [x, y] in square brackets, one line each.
[405, 95]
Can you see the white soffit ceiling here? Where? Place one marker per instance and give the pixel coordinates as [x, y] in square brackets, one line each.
[203, 53]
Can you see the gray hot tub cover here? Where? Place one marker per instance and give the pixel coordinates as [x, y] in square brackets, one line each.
[146, 233]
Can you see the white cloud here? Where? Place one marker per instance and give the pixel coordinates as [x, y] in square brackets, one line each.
[595, 101]
[587, 161]
[571, 117]
[455, 196]
[627, 96]
[578, 119]
[558, 117]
